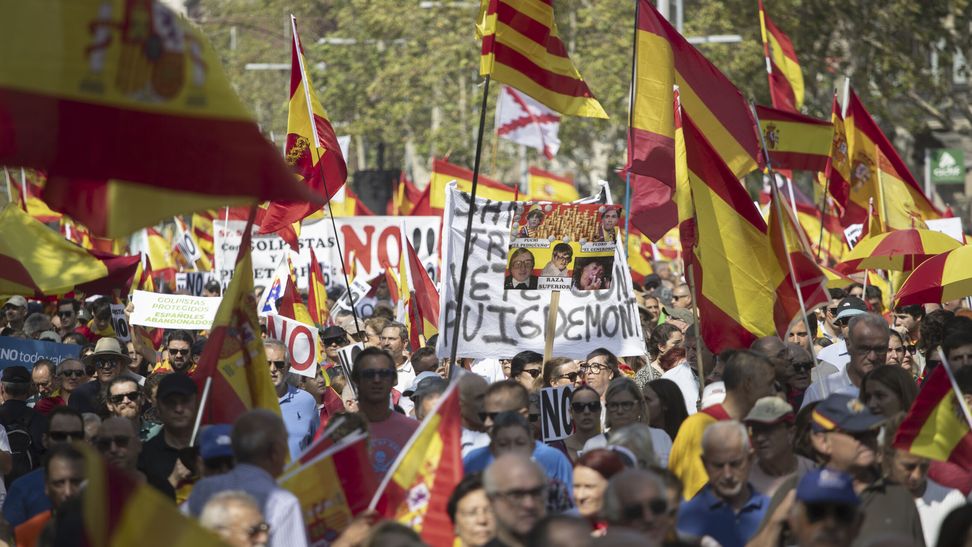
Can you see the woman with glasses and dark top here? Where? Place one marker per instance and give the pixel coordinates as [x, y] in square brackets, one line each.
[599, 369]
[625, 406]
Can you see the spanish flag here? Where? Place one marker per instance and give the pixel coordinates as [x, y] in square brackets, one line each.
[795, 141]
[545, 186]
[937, 425]
[782, 66]
[418, 484]
[522, 48]
[36, 261]
[96, 92]
[350, 206]
[443, 172]
[234, 357]
[312, 150]
[877, 171]
[837, 175]
[640, 256]
[30, 189]
[317, 293]
[664, 58]
[420, 292]
[407, 195]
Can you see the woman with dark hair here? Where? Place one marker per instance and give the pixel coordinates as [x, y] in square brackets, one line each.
[599, 369]
[469, 510]
[592, 471]
[888, 390]
[663, 338]
[625, 406]
[956, 530]
[666, 405]
[585, 414]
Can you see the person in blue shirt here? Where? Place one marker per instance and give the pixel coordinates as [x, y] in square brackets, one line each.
[509, 396]
[297, 407]
[728, 509]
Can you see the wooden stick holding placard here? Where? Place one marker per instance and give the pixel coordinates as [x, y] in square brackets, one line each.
[551, 327]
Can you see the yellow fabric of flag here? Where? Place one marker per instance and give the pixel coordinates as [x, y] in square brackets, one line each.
[544, 186]
[444, 172]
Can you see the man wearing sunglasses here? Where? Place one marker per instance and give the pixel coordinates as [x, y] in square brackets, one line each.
[67, 315]
[517, 491]
[26, 497]
[373, 373]
[333, 338]
[635, 499]
[109, 361]
[123, 398]
[297, 407]
[826, 510]
[178, 354]
[118, 442]
[868, 337]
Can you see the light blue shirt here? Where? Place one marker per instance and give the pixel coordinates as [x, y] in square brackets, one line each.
[838, 382]
[302, 418]
[560, 473]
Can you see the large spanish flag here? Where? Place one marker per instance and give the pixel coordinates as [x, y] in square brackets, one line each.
[419, 292]
[317, 293]
[30, 189]
[95, 92]
[795, 141]
[837, 175]
[234, 357]
[664, 58]
[119, 510]
[877, 171]
[312, 150]
[418, 484]
[545, 186]
[36, 261]
[782, 66]
[443, 172]
[522, 48]
[937, 425]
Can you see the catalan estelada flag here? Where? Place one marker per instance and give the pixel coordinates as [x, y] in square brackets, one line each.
[443, 172]
[418, 484]
[96, 92]
[782, 66]
[522, 48]
[738, 275]
[234, 356]
[795, 141]
[36, 261]
[877, 171]
[312, 149]
[937, 426]
[837, 175]
[664, 58]
[317, 293]
[115, 504]
[546, 186]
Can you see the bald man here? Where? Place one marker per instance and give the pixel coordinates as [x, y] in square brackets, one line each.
[517, 491]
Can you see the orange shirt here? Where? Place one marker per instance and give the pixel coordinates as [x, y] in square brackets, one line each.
[27, 534]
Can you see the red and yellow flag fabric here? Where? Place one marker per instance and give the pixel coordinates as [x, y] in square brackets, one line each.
[36, 261]
[291, 304]
[897, 250]
[665, 59]
[522, 48]
[417, 486]
[795, 141]
[32, 202]
[545, 186]
[877, 171]
[317, 293]
[350, 206]
[234, 357]
[96, 92]
[837, 175]
[443, 172]
[422, 296]
[115, 505]
[939, 279]
[333, 488]
[312, 150]
[782, 66]
[937, 425]
[739, 278]
[640, 256]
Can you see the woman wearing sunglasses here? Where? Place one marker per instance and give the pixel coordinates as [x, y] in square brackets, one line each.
[585, 414]
[561, 371]
[626, 405]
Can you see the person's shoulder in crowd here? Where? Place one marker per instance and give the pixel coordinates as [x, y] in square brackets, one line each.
[685, 458]
[26, 498]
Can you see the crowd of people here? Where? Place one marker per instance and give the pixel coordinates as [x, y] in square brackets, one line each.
[786, 442]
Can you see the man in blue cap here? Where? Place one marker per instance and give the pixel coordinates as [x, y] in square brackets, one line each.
[215, 450]
[826, 510]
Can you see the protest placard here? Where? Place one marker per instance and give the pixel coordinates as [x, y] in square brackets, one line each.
[500, 323]
[372, 241]
[119, 322]
[193, 282]
[173, 311]
[555, 420]
[303, 343]
[23, 352]
[346, 357]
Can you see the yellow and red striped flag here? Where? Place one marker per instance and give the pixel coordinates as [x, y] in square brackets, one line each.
[97, 92]
[234, 357]
[291, 304]
[795, 141]
[422, 296]
[782, 66]
[937, 425]
[546, 186]
[877, 171]
[33, 186]
[317, 293]
[417, 486]
[640, 255]
[443, 172]
[522, 48]
[312, 150]
[837, 175]
[664, 59]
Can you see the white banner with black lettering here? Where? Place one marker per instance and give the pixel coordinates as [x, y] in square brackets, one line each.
[500, 323]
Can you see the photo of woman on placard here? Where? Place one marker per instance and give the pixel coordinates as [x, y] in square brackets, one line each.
[593, 273]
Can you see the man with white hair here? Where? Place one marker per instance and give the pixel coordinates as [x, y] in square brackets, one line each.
[728, 509]
[868, 335]
[517, 491]
[635, 500]
[236, 518]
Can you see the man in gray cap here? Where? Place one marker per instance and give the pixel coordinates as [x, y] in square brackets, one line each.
[867, 339]
[424, 392]
[14, 314]
[771, 428]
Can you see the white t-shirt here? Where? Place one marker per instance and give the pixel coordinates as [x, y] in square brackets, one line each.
[934, 506]
[835, 354]
[661, 444]
[683, 376]
[490, 369]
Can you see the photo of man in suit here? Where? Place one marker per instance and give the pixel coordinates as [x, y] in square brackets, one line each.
[521, 270]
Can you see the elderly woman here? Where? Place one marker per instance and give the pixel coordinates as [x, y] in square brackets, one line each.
[470, 512]
[625, 406]
[600, 368]
[592, 471]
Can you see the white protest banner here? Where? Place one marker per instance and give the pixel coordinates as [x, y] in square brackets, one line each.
[119, 322]
[193, 282]
[302, 341]
[852, 233]
[173, 311]
[555, 420]
[359, 288]
[498, 323]
[374, 242]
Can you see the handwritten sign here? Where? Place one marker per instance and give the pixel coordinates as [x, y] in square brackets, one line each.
[555, 420]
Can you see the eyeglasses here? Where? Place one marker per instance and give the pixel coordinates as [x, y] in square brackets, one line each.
[592, 368]
[118, 399]
[377, 374]
[279, 365]
[104, 443]
[531, 371]
[105, 364]
[803, 366]
[174, 351]
[521, 495]
[593, 407]
[572, 376]
[522, 264]
[62, 436]
[636, 511]
[257, 529]
[77, 373]
[65, 313]
[819, 511]
[620, 405]
[679, 296]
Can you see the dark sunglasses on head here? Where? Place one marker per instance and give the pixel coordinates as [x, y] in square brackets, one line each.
[179, 351]
[76, 373]
[572, 376]
[593, 406]
[377, 374]
[118, 399]
[104, 443]
[532, 371]
[279, 365]
[62, 436]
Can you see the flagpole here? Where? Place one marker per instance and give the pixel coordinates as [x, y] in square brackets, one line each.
[6, 175]
[320, 167]
[631, 96]
[766, 52]
[698, 331]
[199, 411]
[464, 269]
[823, 217]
